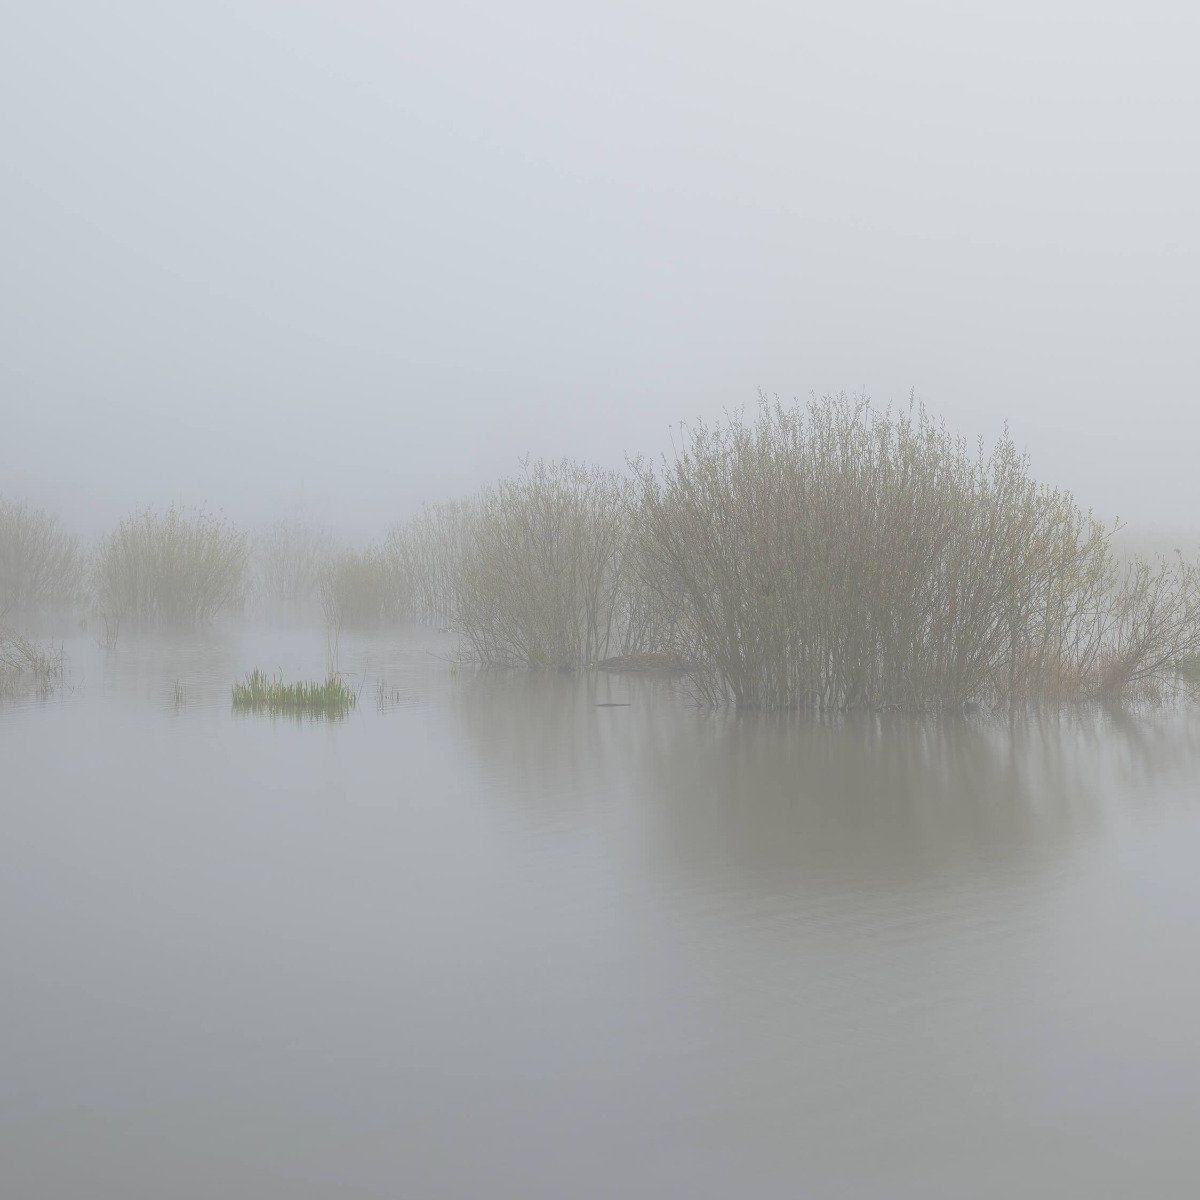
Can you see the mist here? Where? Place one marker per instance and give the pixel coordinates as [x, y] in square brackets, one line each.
[599, 600]
[365, 256]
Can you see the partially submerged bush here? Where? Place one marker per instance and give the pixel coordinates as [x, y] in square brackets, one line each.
[542, 579]
[835, 557]
[39, 561]
[290, 557]
[171, 569]
[262, 693]
[26, 668]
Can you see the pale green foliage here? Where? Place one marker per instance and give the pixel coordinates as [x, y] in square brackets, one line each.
[171, 569]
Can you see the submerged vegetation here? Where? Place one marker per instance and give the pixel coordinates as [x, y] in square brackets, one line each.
[25, 669]
[174, 569]
[263, 693]
[827, 557]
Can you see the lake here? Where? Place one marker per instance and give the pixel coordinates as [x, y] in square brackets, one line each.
[506, 935]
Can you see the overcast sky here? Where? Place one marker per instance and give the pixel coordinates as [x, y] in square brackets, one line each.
[366, 254]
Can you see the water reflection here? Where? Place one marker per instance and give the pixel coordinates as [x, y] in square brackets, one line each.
[492, 935]
[782, 795]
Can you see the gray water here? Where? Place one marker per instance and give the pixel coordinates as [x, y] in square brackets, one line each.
[486, 938]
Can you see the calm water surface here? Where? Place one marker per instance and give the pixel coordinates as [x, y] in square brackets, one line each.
[488, 939]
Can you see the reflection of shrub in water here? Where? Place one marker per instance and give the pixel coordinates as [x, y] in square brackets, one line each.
[780, 801]
[170, 569]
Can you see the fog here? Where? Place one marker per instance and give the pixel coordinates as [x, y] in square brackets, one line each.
[364, 255]
[455, 741]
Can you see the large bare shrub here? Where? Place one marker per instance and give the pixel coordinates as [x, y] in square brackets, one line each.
[832, 556]
[173, 568]
[39, 561]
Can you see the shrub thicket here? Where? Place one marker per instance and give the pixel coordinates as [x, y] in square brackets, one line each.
[170, 569]
[40, 565]
[542, 573]
[835, 557]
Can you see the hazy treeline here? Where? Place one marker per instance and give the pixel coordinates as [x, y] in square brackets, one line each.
[825, 556]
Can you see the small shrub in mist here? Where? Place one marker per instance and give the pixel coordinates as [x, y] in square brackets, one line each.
[40, 565]
[171, 569]
[542, 577]
[427, 554]
[361, 589]
[290, 557]
[832, 557]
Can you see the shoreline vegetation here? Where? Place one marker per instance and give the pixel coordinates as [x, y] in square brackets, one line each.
[825, 557]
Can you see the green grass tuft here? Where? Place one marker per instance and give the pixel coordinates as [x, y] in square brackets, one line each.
[262, 693]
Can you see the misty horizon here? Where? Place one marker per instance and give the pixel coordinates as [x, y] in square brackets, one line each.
[373, 258]
[486, 710]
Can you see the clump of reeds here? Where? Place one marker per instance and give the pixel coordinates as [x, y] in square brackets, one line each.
[836, 557]
[26, 668]
[290, 556]
[542, 578]
[259, 692]
[40, 565]
[170, 569]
